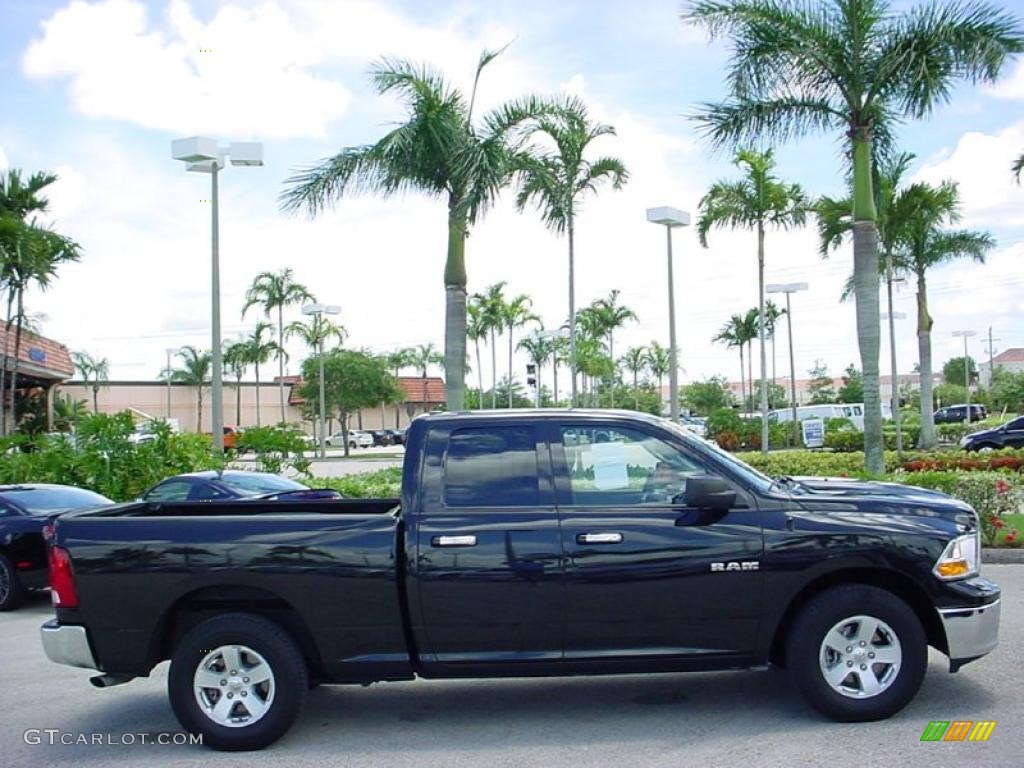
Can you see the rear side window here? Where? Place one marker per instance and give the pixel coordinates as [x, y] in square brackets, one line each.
[172, 490]
[491, 467]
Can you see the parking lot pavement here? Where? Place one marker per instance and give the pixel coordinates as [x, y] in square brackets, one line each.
[714, 719]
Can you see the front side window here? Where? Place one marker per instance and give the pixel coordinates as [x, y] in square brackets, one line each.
[491, 467]
[173, 490]
[623, 466]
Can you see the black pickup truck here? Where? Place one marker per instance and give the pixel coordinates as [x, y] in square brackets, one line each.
[546, 542]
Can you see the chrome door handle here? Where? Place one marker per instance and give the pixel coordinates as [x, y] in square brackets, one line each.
[599, 538]
[453, 541]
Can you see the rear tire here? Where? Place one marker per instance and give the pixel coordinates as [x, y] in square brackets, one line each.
[857, 653]
[252, 705]
[12, 592]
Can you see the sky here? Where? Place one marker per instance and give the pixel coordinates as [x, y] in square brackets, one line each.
[96, 91]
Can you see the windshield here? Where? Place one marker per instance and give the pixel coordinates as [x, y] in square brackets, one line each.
[257, 483]
[44, 501]
[756, 478]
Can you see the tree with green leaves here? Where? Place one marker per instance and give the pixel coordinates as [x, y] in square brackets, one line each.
[852, 390]
[635, 361]
[236, 361]
[611, 316]
[772, 314]
[273, 292]
[423, 357]
[260, 347]
[658, 363]
[820, 390]
[516, 314]
[94, 372]
[758, 201]
[477, 330]
[491, 305]
[858, 68]
[67, 412]
[442, 150]
[557, 180]
[540, 350]
[957, 369]
[195, 372]
[705, 397]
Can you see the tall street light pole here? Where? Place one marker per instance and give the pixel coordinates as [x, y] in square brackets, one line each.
[967, 371]
[202, 155]
[316, 310]
[894, 394]
[670, 218]
[788, 289]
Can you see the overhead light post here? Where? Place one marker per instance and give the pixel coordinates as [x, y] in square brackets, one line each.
[316, 310]
[671, 218]
[967, 371]
[788, 289]
[894, 395]
[202, 155]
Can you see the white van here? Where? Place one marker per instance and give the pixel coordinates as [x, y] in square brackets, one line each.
[852, 411]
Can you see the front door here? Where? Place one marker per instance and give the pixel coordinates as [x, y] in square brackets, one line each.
[487, 577]
[646, 576]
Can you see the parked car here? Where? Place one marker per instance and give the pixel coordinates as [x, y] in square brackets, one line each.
[232, 484]
[696, 425]
[1009, 435]
[24, 511]
[397, 436]
[553, 542]
[852, 411]
[957, 414]
[382, 437]
[356, 439]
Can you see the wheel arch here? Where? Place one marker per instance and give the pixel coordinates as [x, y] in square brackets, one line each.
[899, 584]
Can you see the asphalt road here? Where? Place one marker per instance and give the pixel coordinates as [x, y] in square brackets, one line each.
[710, 719]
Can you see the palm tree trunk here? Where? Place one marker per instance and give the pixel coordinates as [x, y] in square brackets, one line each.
[866, 284]
[455, 309]
[924, 351]
[611, 354]
[238, 401]
[511, 334]
[494, 371]
[398, 412]
[95, 398]
[257, 394]
[636, 389]
[554, 370]
[280, 360]
[479, 374]
[17, 351]
[3, 362]
[199, 410]
[743, 384]
[572, 306]
[750, 376]
[761, 337]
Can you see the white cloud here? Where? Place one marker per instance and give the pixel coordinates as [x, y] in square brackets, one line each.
[1011, 87]
[980, 163]
[246, 72]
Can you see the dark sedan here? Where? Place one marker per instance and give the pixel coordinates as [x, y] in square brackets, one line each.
[24, 510]
[1008, 435]
[232, 484]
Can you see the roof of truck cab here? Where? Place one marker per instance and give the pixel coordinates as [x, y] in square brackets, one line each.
[532, 414]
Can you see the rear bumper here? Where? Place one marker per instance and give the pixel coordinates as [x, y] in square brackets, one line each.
[971, 632]
[67, 644]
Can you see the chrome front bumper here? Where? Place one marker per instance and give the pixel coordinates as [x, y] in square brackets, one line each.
[970, 632]
[66, 644]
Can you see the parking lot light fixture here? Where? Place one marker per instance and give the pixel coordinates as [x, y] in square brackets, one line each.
[788, 289]
[670, 218]
[315, 310]
[202, 155]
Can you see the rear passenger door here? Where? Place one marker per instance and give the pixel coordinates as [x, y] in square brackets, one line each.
[1013, 436]
[487, 583]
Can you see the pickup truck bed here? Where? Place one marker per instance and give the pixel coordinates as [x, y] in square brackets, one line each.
[541, 542]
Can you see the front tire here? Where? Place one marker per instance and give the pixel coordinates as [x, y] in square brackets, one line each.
[239, 680]
[12, 592]
[857, 653]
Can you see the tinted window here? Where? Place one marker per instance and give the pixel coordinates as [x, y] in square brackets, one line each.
[1016, 424]
[203, 491]
[43, 500]
[491, 467]
[172, 490]
[256, 483]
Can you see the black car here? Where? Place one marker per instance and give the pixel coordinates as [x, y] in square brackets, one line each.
[957, 414]
[382, 437]
[232, 484]
[1009, 435]
[397, 436]
[24, 510]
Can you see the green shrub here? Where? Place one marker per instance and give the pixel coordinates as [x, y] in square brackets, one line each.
[992, 494]
[275, 448]
[380, 484]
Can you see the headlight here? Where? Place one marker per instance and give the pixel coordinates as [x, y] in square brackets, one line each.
[959, 559]
[964, 441]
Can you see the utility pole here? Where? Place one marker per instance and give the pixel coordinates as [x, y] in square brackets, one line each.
[991, 356]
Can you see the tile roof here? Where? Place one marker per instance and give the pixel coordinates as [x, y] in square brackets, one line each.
[1011, 355]
[38, 355]
[414, 387]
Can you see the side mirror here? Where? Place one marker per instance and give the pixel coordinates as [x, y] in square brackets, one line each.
[709, 492]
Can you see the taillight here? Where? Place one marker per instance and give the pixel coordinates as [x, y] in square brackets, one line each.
[62, 579]
[48, 531]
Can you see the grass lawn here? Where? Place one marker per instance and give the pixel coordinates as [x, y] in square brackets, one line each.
[1014, 521]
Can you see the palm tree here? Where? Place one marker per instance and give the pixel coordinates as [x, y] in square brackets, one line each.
[855, 67]
[318, 331]
[514, 315]
[439, 150]
[94, 373]
[928, 245]
[423, 357]
[194, 372]
[67, 412]
[236, 360]
[492, 310]
[559, 355]
[540, 350]
[658, 362]
[260, 350]
[274, 291]
[635, 360]
[476, 329]
[1018, 167]
[611, 315]
[757, 201]
[772, 313]
[732, 336]
[396, 360]
[557, 181]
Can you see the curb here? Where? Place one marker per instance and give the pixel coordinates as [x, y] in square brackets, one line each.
[1002, 556]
